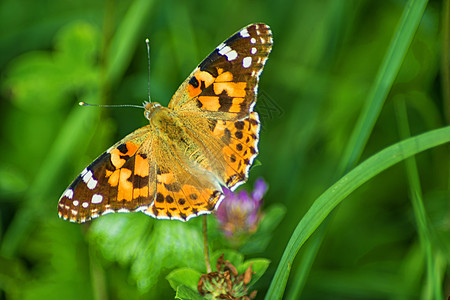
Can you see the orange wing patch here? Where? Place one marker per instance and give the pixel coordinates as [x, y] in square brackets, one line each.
[241, 138]
[217, 94]
[182, 202]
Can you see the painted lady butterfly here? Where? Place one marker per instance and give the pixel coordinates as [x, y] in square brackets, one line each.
[206, 139]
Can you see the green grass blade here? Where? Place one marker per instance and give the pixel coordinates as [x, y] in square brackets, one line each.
[323, 205]
[125, 40]
[305, 265]
[384, 80]
[433, 285]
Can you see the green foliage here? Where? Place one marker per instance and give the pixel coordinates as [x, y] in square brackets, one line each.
[184, 280]
[346, 82]
[342, 188]
[183, 292]
[149, 247]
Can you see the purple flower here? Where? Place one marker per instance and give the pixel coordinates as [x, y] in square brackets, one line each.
[239, 213]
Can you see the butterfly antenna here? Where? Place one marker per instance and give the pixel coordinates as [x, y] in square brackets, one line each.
[113, 105]
[147, 41]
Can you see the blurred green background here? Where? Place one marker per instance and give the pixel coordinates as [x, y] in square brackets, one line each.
[325, 59]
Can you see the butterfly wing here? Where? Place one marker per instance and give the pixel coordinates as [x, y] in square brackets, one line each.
[143, 172]
[184, 189]
[225, 84]
[216, 102]
[123, 179]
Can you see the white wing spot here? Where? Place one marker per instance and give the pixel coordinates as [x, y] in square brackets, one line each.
[247, 62]
[75, 203]
[85, 204]
[228, 52]
[224, 50]
[253, 40]
[232, 55]
[220, 47]
[244, 33]
[253, 51]
[92, 183]
[86, 174]
[97, 199]
[68, 193]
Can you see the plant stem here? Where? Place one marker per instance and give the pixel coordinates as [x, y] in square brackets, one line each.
[205, 244]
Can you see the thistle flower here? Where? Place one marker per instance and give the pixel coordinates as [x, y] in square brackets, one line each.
[239, 213]
[226, 283]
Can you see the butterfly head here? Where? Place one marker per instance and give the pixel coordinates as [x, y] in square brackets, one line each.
[150, 108]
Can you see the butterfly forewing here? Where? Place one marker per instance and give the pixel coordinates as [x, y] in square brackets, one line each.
[225, 83]
[207, 139]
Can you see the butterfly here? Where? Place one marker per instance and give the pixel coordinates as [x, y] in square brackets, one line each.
[205, 140]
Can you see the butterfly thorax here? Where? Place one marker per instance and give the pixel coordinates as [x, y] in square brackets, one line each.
[167, 125]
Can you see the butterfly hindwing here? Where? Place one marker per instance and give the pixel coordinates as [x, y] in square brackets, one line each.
[117, 181]
[183, 189]
[141, 173]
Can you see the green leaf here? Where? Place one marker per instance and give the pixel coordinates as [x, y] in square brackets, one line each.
[184, 276]
[234, 257]
[172, 244]
[185, 293]
[34, 75]
[259, 266]
[149, 246]
[120, 237]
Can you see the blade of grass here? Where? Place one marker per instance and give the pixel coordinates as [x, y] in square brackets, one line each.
[387, 73]
[323, 205]
[308, 258]
[432, 287]
[125, 40]
[446, 59]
